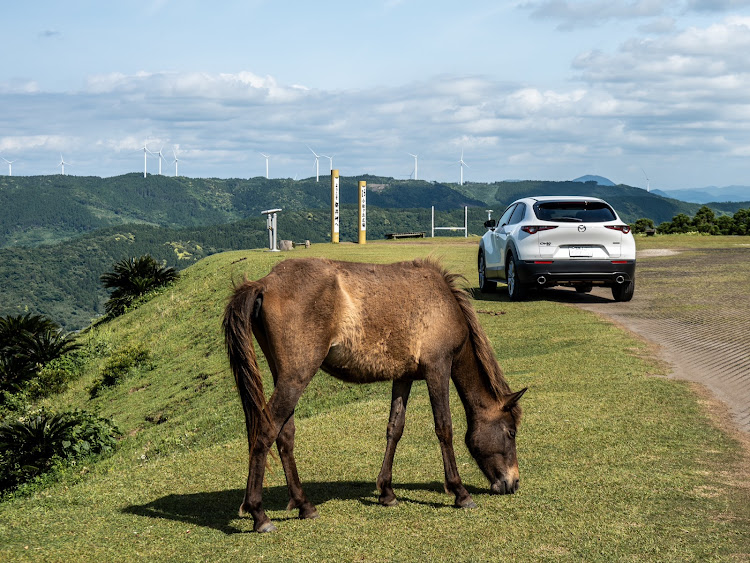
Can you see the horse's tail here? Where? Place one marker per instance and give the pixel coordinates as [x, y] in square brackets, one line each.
[242, 308]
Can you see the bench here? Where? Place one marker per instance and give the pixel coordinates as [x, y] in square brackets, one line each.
[391, 236]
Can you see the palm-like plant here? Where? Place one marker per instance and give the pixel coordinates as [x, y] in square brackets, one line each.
[34, 445]
[132, 278]
[27, 342]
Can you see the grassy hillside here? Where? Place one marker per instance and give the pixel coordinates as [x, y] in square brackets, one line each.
[615, 464]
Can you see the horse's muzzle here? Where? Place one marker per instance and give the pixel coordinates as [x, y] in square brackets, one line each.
[502, 487]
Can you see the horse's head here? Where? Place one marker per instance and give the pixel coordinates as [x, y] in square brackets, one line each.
[491, 440]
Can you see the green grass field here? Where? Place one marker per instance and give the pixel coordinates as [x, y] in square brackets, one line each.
[616, 462]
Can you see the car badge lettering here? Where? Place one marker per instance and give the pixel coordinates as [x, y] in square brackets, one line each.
[581, 228]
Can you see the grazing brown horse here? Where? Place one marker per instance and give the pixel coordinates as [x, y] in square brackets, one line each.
[363, 323]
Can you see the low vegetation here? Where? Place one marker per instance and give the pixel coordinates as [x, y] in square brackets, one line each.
[42, 442]
[707, 222]
[615, 464]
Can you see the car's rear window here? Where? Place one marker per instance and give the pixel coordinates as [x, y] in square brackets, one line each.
[574, 211]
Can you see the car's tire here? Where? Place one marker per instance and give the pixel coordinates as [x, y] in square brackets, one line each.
[623, 291]
[485, 285]
[516, 290]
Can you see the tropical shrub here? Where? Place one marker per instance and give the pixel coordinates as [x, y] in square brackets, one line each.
[27, 343]
[39, 443]
[132, 278]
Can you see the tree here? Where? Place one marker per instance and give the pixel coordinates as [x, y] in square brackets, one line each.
[132, 278]
[705, 221]
[741, 222]
[642, 225]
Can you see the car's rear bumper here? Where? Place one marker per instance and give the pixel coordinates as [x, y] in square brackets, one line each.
[605, 272]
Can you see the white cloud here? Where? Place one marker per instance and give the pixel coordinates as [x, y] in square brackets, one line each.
[577, 14]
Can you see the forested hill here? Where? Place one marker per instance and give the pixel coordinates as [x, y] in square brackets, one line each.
[61, 280]
[38, 210]
[45, 209]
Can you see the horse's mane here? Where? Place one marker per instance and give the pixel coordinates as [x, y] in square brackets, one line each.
[490, 369]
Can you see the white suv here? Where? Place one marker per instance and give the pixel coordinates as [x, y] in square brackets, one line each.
[547, 241]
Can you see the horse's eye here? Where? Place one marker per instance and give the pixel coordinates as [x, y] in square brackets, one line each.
[512, 434]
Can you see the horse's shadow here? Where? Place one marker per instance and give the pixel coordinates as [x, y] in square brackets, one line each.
[218, 509]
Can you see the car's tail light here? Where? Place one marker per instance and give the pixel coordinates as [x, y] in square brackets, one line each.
[624, 229]
[534, 229]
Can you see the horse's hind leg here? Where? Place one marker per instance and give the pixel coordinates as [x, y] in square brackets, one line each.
[399, 398]
[297, 498]
[281, 408]
[438, 385]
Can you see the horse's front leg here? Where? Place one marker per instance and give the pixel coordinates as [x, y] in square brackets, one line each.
[439, 389]
[399, 398]
[297, 498]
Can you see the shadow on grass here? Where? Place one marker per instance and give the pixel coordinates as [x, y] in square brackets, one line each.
[556, 294]
[218, 509]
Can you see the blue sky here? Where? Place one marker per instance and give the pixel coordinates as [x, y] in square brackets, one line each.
[531, 89]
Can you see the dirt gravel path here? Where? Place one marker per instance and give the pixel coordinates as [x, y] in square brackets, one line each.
[695, 306]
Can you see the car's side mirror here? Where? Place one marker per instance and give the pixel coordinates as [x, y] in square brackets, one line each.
[490, 224]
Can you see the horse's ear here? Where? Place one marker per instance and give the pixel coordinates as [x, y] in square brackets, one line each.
[513, 398]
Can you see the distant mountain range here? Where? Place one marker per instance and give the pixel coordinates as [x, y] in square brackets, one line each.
[708, 194]
[600, 180]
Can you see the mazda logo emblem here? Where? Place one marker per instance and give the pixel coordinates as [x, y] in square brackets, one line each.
[581, 228]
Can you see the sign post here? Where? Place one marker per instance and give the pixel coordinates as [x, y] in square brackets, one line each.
[335, 206]
[362, 212]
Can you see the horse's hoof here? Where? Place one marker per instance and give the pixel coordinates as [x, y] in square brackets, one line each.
[266, 527]
[468, 503]
[388, 502]
[309, 514]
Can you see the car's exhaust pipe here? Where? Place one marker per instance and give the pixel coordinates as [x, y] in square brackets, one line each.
[620, 279]
[541, 280]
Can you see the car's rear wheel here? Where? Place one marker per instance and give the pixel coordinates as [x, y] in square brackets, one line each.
[485, 285]
[516, 290]
[623, 291]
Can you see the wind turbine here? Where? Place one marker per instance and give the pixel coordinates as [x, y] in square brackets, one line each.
[146, 152]
[161, 157]
[10, 166]
[62, 164]
[329, 158]
[415, 165]
[648, 182]
[266, 157]
[462, 164]
[176, 160]
[317, 164]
